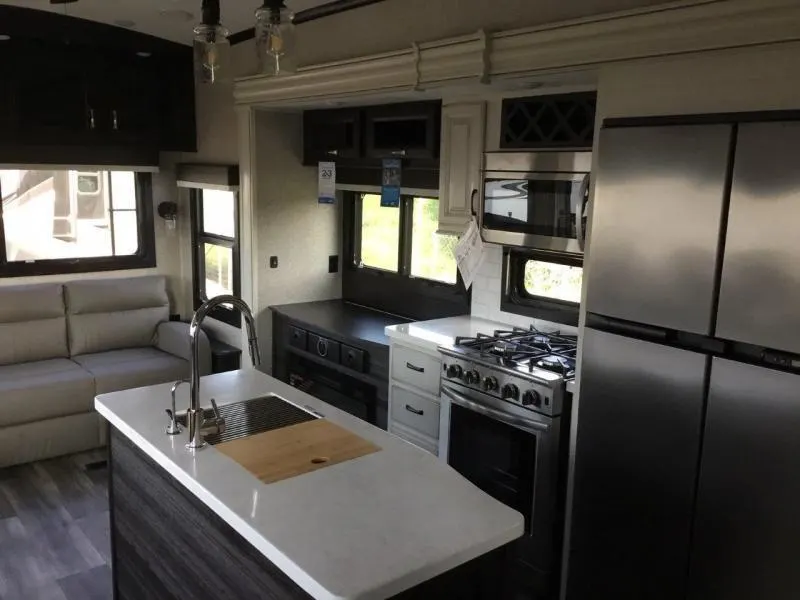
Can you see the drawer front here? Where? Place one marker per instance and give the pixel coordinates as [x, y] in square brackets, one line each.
[323, 347]
[298, 338]
[352, 358]
[416, 412]
[417, 369]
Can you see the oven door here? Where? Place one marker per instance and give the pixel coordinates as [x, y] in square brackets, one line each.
[513, 458]
[544, 211]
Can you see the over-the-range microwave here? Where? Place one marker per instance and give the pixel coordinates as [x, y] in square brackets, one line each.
[536, 200]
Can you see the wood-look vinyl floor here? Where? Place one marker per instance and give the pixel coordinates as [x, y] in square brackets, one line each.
[54, 530]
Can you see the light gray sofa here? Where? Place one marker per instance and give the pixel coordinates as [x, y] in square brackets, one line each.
[61, 344]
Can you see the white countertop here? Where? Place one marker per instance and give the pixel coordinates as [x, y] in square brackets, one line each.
[442, 332]
[368, 528]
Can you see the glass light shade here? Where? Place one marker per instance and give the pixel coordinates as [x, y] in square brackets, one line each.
[211, 53]
[275, 40]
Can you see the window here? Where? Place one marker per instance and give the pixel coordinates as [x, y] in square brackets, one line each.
[433, 256]
[403, 239]
[395, 260]
[73, 221]
[216, 262]
[544, 286]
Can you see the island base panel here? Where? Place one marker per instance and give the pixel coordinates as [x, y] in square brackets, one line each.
[168, 545]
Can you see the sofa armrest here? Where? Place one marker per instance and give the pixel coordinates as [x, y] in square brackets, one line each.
[173, 337]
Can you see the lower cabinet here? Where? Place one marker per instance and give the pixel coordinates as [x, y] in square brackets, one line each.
[414, 406]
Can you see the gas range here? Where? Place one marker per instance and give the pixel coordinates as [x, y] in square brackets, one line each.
[526, 368]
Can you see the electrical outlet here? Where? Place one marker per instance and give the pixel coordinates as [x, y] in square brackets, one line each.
[333, 264]
[273, 262]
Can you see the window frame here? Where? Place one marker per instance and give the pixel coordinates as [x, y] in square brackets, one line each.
[398, 292]
[199, 239]
[144, 258]
[516, 299]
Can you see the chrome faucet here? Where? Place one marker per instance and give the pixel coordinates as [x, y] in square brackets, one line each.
[198, 425]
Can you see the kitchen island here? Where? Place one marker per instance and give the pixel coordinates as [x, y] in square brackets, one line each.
[394, 523]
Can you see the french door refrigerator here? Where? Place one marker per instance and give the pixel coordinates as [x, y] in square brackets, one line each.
[687, 466]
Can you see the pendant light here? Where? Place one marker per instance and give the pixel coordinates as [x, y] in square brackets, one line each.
[211, 46]
[275, 38]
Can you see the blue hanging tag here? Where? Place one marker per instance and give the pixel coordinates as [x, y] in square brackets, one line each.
[390, 190]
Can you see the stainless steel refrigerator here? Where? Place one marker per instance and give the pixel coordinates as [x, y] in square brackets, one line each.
[687, 465]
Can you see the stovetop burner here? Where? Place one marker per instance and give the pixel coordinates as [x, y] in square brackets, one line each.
[524, 349]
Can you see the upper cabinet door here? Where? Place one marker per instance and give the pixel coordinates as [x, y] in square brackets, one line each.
[760, 291]
[463, 128]
[331, 135]
[655, 230]
[403, 130]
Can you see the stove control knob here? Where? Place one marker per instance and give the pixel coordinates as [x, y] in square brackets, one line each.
[490, 384]
[531, 398]
[473, 377]
[454, 371]
[510, 391]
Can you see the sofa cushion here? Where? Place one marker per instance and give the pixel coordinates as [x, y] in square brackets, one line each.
[110, 314]
[32, 323]
[135, 367]
[42, 390]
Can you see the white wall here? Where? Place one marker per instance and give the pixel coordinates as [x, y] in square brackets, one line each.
[291, 225]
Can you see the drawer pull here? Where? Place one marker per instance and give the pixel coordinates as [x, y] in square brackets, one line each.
[416, 411]
[415, 368]
[322, 348]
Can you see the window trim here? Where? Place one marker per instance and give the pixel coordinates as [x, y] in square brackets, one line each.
[516, 299]
[395, 292]
[199, 239]
[145, 257]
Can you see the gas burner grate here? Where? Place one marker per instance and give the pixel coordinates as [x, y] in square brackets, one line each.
[526, 347]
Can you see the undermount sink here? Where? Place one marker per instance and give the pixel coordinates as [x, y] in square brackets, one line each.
[253, 416]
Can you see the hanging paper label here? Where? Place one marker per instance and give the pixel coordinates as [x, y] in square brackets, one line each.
[469, 253]
[390, 190]
[327, 182]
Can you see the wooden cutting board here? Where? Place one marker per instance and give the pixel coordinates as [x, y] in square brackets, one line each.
[291, 451]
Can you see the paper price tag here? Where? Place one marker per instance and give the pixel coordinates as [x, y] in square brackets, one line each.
[327, 182]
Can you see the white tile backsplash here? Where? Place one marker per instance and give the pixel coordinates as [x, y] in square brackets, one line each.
[486, 294]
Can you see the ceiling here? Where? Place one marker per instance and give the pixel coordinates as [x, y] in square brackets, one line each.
[168, 19]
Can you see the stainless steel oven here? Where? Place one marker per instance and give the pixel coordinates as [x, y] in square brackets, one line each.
[512, 454]
[536, 199]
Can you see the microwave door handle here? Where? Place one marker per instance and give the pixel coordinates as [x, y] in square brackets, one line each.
[472, 204]
[583, 193]
[512, 420]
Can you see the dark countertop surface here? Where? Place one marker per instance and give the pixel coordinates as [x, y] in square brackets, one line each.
[342, 318]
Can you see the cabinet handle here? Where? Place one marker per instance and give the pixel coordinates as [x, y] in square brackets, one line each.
[322, 348]
[91, 118]
[416, 411]
[414, 368]
[114, 120]
[398, 152]
[333, 152]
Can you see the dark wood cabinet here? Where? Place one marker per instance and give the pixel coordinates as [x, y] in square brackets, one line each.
[403, 130]
[555, 121]
[50, 93]
[330, 135]
[109, 103]
[362, 137]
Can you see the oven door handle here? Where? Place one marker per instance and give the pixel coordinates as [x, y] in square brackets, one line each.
[512, 420]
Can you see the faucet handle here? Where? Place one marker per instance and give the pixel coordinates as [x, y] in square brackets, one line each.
[216, 410]
[218, 422]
